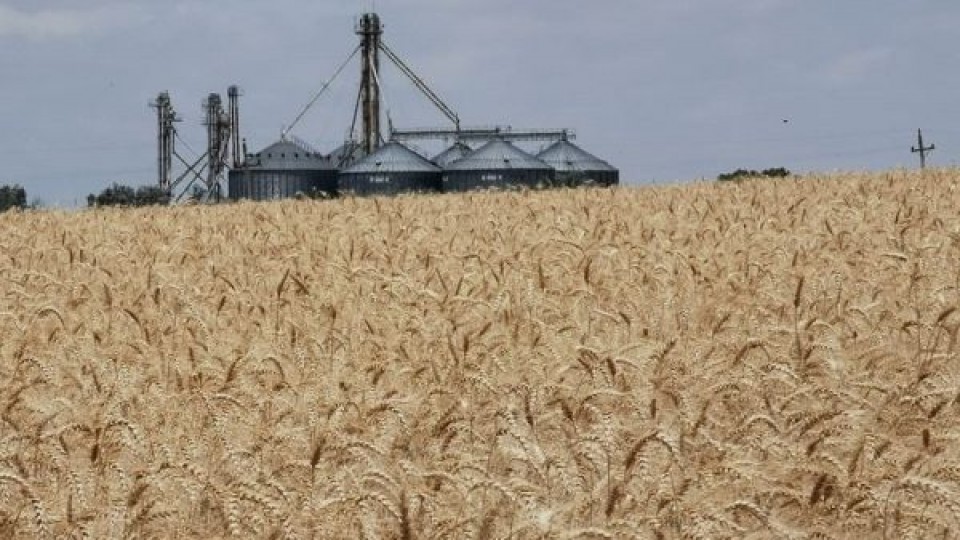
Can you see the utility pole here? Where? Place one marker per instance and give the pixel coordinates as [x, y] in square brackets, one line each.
[922, 150]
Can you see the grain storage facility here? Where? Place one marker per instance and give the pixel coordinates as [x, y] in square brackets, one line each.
[373, 160]
[347, 154]
[456, 152]
[390, 170]
[577, 167]
[284, 169]
[497, 165]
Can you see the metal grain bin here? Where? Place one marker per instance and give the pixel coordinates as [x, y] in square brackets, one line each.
[284, 169]
[576, 167]
[391, 170]
[347, 154]
[456, 152]
[497, 165]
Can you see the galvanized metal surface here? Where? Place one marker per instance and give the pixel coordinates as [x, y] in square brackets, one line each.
[289, 154]
[219, 132]
[289, 167]
[347, 154]
[456, 152]
[498, 155]
[393, 157]
[370, 30]
[391, 170]
[483, 134]
[233, 99]
[284, 169]
[265, 185]
[497, 165]
[575, 166]
[166, 117]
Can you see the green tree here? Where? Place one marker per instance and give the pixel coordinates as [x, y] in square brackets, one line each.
[122, 195]
[779, 172]
[12, 197]
[741, 174]
[151, 195]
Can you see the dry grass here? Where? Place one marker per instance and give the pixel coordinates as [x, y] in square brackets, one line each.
[762, 360]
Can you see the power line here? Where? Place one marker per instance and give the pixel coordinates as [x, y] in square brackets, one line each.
[320, 93]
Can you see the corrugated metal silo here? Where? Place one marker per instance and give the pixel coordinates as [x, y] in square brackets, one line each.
[391, 170]
[456, 152]
[282, 170]
[497, 164]
[576, 167]
[347, 154]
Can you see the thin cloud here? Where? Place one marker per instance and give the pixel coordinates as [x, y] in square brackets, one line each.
[855, 66]
[62, 23]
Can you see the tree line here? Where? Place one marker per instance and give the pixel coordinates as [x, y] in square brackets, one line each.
[122, 195]
[12, 197]
[15, 196]
[741, 174]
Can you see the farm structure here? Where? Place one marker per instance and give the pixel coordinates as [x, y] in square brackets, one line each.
[283, 170]
[575, 166]
[496, 164]
[392, 169]
[376, 158]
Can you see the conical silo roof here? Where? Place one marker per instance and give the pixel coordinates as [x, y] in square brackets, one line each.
[347, 154]
[392, 157]
[287, 155]
[498, 155]
[564, 156]
[456, 152]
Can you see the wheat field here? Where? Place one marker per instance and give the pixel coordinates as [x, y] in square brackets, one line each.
[766, 359]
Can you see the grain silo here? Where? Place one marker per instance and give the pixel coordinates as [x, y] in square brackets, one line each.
[289, 168]
[497, 164]
[391, 169]
[347, 154]
[456, 152]
[284, 169]
[577, 167]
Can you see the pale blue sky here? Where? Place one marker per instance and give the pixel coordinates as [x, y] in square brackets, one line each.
[667, 91]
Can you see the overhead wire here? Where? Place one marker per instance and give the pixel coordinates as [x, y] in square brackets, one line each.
[421, 85]
[320, 93]
[176, 135]
[383, 97]
[356, 113]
